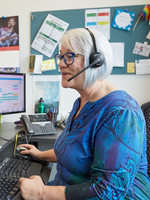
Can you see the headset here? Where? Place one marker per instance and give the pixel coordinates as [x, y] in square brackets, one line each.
[96, 56]
[96, 59]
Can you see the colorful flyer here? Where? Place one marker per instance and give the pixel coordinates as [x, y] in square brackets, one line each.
[98, 19]
[123, 19]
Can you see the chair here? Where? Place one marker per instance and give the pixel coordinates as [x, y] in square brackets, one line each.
[146, 110]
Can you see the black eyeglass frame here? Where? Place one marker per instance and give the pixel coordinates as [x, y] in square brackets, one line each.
[58, 56]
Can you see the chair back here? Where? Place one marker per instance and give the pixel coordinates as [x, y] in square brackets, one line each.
[146, 111]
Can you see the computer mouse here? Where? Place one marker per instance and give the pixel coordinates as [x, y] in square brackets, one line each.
[19, 149]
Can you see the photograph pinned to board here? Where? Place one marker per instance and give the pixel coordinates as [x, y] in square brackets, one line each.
[142, 49]
[98, 19]
[123, 19]
[49, 35]
[48, 88]
[9, 33]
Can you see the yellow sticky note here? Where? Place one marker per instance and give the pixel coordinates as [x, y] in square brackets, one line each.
[130, 67]
[48, 65]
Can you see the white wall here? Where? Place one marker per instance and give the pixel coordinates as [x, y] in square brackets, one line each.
[137, 86]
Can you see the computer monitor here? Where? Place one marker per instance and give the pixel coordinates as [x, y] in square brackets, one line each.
[12, 93]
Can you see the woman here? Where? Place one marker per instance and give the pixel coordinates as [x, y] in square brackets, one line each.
[101, 153]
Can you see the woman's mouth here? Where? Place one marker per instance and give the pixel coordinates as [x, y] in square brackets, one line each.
[64, 75]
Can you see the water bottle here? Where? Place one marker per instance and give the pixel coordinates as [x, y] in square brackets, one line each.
[41, 106]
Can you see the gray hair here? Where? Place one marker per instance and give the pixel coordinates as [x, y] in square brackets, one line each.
[79, 41]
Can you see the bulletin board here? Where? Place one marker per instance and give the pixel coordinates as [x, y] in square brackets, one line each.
[76, 19]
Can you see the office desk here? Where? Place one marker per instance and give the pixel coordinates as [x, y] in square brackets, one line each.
[8, 132]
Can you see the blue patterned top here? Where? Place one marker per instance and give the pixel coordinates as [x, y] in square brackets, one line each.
[102, 152]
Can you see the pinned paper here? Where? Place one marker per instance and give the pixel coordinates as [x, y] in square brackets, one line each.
[123, 19]
[35, 63]
[49, 35]
[48, 65]
[98, 19]
[143, 66]
[130, 67]
[118, 53]
[148, 35]
[141, 49]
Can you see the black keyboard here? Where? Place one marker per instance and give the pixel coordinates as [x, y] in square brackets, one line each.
[9, 188]
[46, 129]
[11, 169]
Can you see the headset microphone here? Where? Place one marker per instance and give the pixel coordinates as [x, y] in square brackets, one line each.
[93, 64]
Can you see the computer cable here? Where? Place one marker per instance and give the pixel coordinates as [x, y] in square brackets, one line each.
[16, 139]
[4, 139]
[24, 138]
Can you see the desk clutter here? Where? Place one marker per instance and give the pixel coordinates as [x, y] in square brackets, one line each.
[37, 125]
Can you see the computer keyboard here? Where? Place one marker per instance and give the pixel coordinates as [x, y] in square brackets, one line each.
[41, 128]
[11, 169]
[9, 188]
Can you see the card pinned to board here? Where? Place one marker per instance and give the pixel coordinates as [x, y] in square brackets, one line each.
[123, 19]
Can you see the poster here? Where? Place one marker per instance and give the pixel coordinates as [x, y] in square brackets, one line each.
[49, 35]
[9, 33]
[46, 87]
[9, 44]
[98, 19]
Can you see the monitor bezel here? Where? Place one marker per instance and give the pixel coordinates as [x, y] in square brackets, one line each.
[22, 111]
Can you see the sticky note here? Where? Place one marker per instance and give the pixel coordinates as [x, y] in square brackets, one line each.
[48, 65]
[130, 67]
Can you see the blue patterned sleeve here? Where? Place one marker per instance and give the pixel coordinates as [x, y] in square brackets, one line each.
[117, 148]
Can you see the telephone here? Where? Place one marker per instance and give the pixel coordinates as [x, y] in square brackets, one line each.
[27, 124]
[37, 128]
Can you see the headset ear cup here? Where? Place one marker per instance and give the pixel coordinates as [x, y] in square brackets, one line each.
[92, 58]
[98, 57]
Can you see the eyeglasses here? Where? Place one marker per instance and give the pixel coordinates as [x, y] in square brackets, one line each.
[67, 57]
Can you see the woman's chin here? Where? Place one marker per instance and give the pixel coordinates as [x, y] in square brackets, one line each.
[65, 84]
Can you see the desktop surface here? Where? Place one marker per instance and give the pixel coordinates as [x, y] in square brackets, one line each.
[8, 132]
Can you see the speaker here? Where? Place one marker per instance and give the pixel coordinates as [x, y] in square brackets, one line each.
[96, 56]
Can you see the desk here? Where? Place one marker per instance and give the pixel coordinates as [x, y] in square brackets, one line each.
[8, 132]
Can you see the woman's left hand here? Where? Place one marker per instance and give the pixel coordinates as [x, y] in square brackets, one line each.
[31, 188]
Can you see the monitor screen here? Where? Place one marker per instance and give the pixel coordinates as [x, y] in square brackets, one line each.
[12, 93]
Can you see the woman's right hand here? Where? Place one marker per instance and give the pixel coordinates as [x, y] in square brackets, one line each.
[31, 150]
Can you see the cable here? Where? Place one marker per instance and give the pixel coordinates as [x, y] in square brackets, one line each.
[16, 142]
[24, 138]
[4, 139]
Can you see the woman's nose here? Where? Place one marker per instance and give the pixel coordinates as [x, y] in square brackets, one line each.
[62, 64]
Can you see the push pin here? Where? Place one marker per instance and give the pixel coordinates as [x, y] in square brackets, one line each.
[3, 17]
